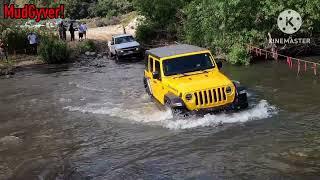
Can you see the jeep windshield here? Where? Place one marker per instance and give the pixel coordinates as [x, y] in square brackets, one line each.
[186, 64]
[124, 39]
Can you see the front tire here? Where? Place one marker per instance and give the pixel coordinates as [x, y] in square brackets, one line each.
[117, 59]
[241, 102]
[176, 112]
[110, 54]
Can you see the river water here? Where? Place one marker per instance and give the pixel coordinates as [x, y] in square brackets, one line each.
[93, 120]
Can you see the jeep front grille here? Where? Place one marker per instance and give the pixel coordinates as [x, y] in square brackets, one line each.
[210, 96]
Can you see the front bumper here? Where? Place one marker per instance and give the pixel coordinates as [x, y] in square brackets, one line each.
[240, 103]
[130, 54]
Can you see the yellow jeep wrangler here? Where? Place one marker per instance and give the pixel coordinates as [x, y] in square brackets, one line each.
[187, 78]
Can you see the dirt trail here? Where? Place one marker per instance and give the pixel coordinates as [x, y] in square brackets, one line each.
[105, 33]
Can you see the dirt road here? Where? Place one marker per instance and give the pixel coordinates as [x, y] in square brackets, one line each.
[105, 33]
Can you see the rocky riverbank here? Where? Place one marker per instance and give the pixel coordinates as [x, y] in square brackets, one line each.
[6, 71]
[8, 67]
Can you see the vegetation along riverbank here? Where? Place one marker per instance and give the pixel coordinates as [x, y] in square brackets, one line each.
[225, 27]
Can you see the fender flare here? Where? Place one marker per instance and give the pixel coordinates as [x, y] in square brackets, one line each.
[175, 101]
[238, 87]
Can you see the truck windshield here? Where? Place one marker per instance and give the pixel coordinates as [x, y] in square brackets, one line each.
[181, 65]
[124, 39]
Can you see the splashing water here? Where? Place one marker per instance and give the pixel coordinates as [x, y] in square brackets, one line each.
[260, 111]
[148, 113]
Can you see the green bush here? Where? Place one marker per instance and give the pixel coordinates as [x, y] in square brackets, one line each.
[109, 8]
[145, 31]
[87, 45]
[17, 38]
[54, 51]
[223, 26]
[76, 9]
[238, 55]
[161, 18]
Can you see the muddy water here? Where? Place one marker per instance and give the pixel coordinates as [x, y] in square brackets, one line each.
[93, 120]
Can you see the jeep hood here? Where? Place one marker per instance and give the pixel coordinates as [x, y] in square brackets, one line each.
[127, 45]
[192, 83]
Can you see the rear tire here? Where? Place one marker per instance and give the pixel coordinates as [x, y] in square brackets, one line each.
[147, 86]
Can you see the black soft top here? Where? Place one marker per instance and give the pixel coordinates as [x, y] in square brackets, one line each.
[172, 50]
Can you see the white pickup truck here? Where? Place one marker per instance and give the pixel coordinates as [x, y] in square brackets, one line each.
[124, 46]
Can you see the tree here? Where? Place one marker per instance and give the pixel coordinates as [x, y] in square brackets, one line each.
[76, 9]
[225, 25]
[112, 7]
[161, 18]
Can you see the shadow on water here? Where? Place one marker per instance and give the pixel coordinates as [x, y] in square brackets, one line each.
[43, 68]
[48, 169]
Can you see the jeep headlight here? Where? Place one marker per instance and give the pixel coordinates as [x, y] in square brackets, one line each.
[188, 97]
[228, 90]
[137, 48]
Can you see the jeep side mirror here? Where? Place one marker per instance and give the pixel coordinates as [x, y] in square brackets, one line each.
[219, 64]
[156, 75]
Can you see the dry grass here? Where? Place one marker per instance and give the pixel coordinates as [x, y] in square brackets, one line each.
[101, 22]
[127, 18]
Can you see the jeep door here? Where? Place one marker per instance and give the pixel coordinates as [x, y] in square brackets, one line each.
[148, 72]
[156, 83]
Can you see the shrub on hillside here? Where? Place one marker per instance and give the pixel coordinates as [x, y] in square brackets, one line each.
[54, 51]
[76, 9]
[145, 31]
[238, 55]
[100, 22]
[224, 25]
[109, 8]
[161, 18]
[17, 38]
[87, 45]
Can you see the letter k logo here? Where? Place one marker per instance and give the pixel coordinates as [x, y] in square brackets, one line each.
[289, 21]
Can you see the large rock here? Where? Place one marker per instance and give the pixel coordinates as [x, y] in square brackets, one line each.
[6, 71]
[87, 53]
